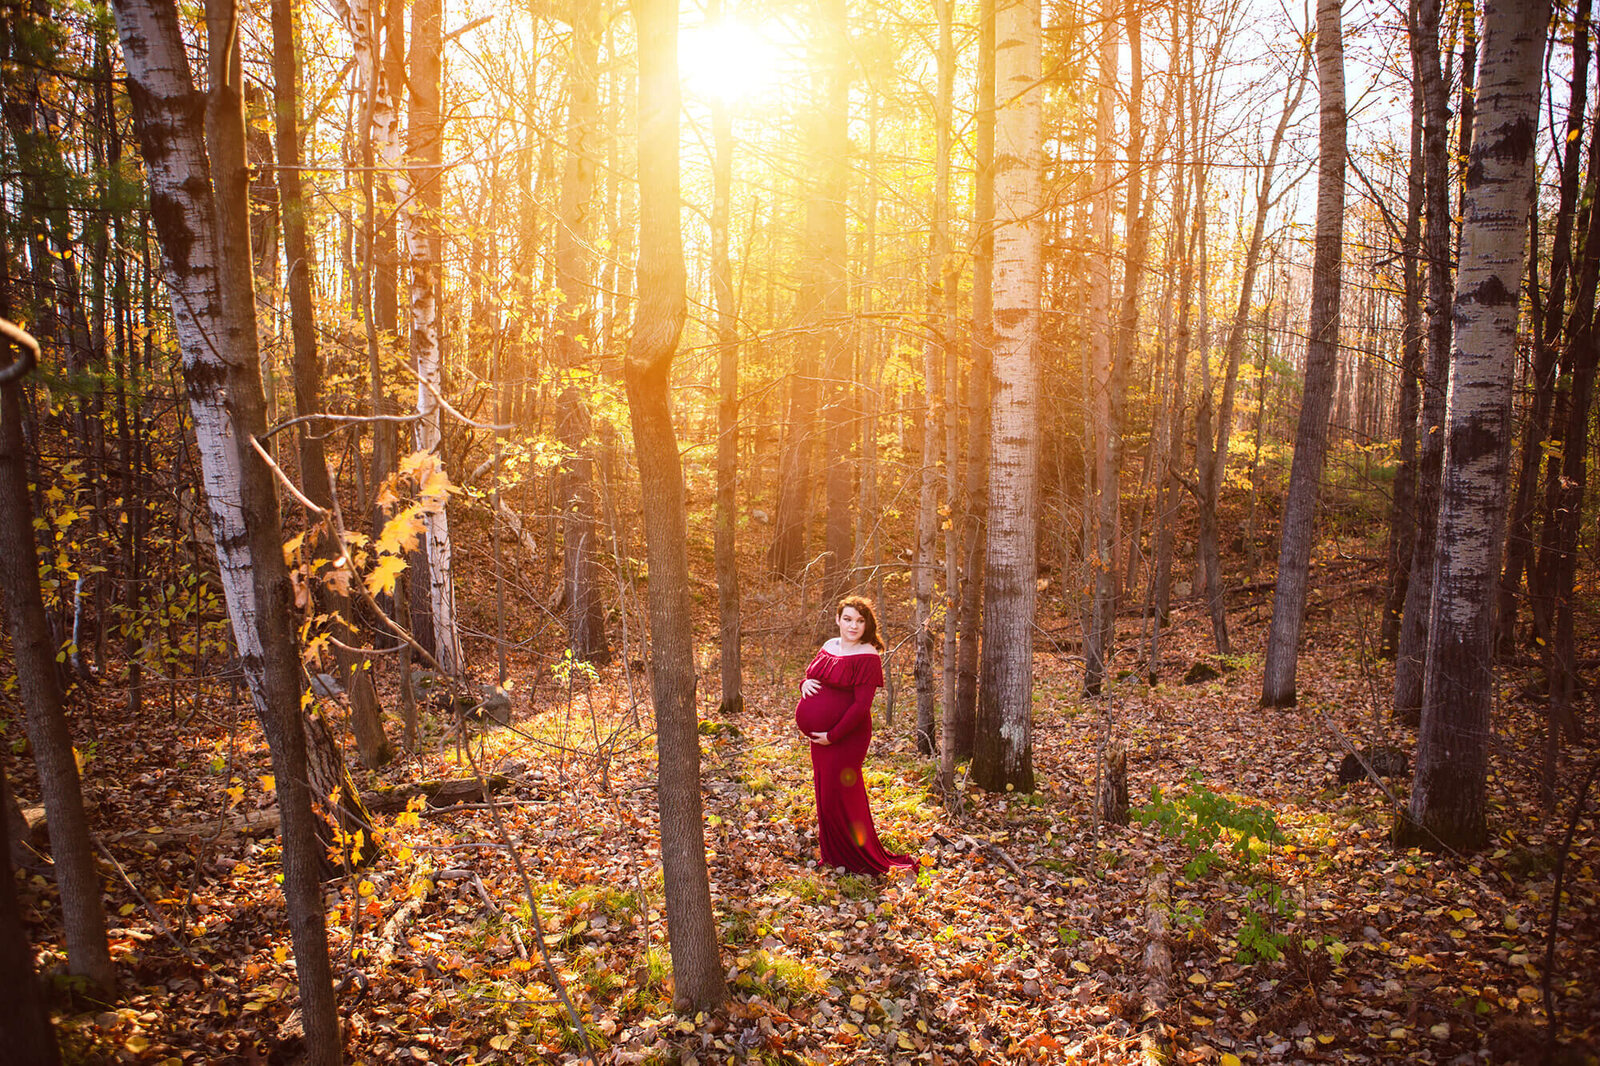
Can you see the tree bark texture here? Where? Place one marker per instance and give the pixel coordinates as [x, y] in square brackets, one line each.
[975, 516]
[24, 1015]
[1402, 511]
[199, 189]
[1003, 739]
[365, 717]
[1107, 377]
[574, 327]
[1322, 353]
[1447, 807]
[727, 505]
[1408, 664]
[658, 321]
[34, 651]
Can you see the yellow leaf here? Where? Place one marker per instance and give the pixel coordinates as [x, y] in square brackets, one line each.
[1231, 1060]
[906, 1044]
[137, 1044]
[381, 580]
[291, 546]
[402, 532]
[501, 1043]
[858, 1002]
[268, 783]
[280, 954]
[126, 909]
[367, 888]
[1197, 979]
[1080, 966]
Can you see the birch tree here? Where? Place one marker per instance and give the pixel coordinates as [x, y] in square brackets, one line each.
[1448, 803]
[199, 189]
[1003, 735]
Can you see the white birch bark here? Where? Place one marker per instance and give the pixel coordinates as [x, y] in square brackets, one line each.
[1447, 806]
[362, 19]
[1003, 741]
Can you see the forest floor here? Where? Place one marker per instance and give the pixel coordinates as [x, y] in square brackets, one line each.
[1303, 936]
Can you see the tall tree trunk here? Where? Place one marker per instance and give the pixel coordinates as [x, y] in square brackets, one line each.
[1107, 376]
[975, 517]
[727, 507]
[586, 632]
[214, 315]
[658, 321]
[937, 345]
[34, 650]
[1408, 664]
[949, 331]
[1322, 351]
[423, 187]
[1210, 474]
[1545, 333]
[1168, 496]
[364, 714]
[1402, 512]
[1002, 756]
[839, 401]
[1447, 807]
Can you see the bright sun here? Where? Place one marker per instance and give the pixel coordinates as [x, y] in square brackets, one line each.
[727, 61]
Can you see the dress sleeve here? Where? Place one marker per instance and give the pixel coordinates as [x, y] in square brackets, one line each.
[869, 678]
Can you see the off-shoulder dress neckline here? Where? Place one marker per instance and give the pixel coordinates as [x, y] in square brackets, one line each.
[832, 647]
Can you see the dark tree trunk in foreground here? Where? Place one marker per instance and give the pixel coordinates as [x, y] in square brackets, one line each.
[1403, 512]
[365, 718]
[1447, 808]
[1409, 653]
[1322, 353]
[658, 320]
[204, 233]
[34, 649]
[1002, 757]
[25, 1030]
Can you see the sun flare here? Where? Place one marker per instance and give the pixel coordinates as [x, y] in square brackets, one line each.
[728, 61]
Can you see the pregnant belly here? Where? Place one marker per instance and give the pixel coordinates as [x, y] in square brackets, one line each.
[820, 711]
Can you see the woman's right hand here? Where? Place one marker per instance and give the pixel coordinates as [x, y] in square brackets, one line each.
[810, 687]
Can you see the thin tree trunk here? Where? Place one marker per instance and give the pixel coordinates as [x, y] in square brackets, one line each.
[1402, 513]
[586, 633]
[1107, 375]
[976, 513]
[1322, 350]
[658, 321]
[1408, 665]
[34, 651]
[364, 714]
[1448, 801]
[727, 506]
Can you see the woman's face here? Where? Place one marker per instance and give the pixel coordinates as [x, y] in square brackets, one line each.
[852, 624]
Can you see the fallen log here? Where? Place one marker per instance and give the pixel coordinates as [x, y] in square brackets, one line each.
[1156, 968]
[440, 795]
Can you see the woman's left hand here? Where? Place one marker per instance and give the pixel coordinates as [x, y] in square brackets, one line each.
[819, 738]
[810, 687]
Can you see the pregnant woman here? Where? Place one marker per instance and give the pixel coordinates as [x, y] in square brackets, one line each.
[835, 714]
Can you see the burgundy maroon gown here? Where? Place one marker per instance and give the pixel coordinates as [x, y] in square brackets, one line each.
[842, 708]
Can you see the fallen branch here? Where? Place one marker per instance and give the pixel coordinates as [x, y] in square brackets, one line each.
[1156, 967]
[421, 887]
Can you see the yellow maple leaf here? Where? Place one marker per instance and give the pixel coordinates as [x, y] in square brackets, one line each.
[402, 532]
[381, 580]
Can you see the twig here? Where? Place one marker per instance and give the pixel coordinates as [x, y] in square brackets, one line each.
[1548, 979]
[149, 907]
